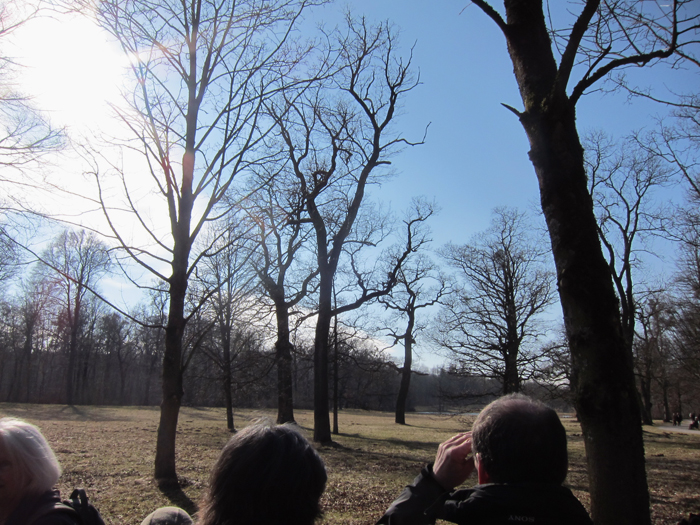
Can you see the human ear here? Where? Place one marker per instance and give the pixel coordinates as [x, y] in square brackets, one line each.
[481, 474]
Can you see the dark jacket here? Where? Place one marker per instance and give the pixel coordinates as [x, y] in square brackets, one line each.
[424, 501]
[45, 509]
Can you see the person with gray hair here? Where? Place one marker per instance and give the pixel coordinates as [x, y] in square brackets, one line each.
[28, 472]
[517, 447]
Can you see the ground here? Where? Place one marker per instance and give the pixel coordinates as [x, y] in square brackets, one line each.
[109, 451]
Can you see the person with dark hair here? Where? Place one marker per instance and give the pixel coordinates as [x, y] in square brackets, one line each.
[518, 449]
[28, 472]
[266, 475]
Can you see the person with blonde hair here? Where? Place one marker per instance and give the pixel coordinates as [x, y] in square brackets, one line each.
[28, 472]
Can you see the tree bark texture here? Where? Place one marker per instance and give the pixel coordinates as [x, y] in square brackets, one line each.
[602, 370]
[322, 422]
[172, 389]
[405, 385]
[283, 349]
[228, 396]
[165, 472]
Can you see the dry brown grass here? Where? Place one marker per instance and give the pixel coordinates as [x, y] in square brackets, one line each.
[110, 450]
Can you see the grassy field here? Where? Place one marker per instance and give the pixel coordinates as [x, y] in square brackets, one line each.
[109, 451]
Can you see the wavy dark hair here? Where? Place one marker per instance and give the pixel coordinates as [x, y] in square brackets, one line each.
[266, 475]
[520, 440]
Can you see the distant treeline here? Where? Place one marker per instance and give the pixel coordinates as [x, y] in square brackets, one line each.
[118, 362]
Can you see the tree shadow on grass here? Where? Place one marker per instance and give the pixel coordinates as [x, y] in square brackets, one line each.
[421, 446]
[61, 412]
[177, 496]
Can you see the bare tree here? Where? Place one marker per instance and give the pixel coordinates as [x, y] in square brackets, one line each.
[118, 345]
[335, 137]
[225, 281]
[624, 179]
[26, 135]
[490, 323]
[419, 286]
[284, 266]
[203, 72]
[34, 304]
[602, 37]
[652, 350]
[76, 261]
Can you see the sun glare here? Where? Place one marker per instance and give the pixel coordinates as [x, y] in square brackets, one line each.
[71, 69]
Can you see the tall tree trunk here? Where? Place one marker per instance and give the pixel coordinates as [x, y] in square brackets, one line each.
[602, 373]
[27, 351]
[667, 405]
[336, 379]
[322, 422]
[172, 387]
[603, 384]
[645, 396]
[283, 354]
[404, 387]
[72, 358]
[228, 380]
[511, 377]
[225, 332]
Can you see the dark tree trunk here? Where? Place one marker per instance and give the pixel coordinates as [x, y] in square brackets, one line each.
[15, 379]
[172, 386]
[172, 389]
[602, 373]
[72, 354]
[405, 385]
[228, 396]
[603, 381]
[667, 405]
[645, 399]
[336, 378]
[225, 332]
[27, 351]
[511, 377]
[283, 349]
[603, 384]
[406, 372]
[322, 422]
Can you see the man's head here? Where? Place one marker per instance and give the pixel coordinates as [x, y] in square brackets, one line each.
[266, 475]
[519, 440]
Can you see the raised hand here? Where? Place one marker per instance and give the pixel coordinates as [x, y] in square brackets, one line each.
[453, 463]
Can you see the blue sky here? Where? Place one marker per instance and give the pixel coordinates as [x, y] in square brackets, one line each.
[475, 155]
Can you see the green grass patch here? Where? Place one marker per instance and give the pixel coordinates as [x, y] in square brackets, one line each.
[110, 451]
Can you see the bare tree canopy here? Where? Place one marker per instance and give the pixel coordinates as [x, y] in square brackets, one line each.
[420, 285]
[26, 135]
[336, 136]
[490, 323]
[624, 180]
[203, 71]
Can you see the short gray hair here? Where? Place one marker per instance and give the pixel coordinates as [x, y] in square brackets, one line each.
[29, 449]
[521, 440]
